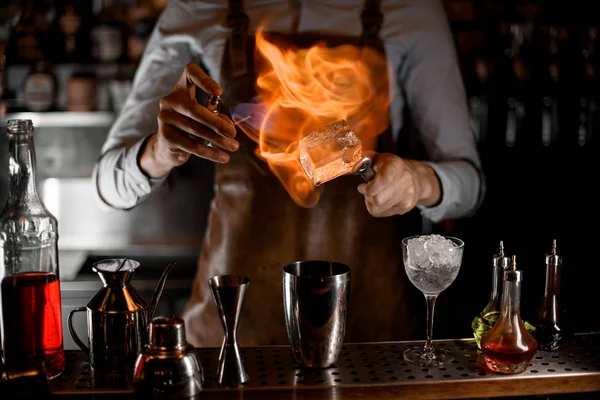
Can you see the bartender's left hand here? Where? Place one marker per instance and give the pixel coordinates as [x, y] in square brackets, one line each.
[399, 185]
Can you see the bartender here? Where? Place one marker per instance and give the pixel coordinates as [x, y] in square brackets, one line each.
[255, 227]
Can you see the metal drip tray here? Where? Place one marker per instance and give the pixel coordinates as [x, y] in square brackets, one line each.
[368, 365]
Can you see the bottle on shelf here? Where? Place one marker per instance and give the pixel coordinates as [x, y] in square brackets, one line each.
[479, 102]
[517, 87]
[6, 96]
[40, 88]
[550, 86]
[70, 35]
[552, 325]
[588, 87]
[30, 288]
[25, 44]
[3, 80]
[508, 347]
[107, 32]
[138, 39]
[82, 91]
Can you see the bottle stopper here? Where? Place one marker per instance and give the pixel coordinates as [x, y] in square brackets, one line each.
[553, 258]
[501, 260]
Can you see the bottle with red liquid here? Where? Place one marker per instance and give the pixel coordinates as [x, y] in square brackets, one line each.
[553, 327]
[508, 347]
[30, 289]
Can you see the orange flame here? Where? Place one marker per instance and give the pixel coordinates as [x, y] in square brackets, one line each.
[303, 90]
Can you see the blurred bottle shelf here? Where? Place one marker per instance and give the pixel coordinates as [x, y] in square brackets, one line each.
[65, 119]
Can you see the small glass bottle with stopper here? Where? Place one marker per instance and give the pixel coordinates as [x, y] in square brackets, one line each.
[508, 347]
[552, 326]
[484, 321]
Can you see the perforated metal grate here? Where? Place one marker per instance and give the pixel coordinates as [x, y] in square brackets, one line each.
[359, 364]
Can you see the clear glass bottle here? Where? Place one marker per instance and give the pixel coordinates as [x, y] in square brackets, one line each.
[552, 325]
[484, 321]
[508, 347]
[29, 272]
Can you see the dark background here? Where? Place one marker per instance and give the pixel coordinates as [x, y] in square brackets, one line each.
[537, 190]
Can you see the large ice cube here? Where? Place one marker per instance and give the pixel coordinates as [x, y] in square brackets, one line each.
[330, 152]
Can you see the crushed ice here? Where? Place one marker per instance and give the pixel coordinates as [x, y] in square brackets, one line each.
[428, 251]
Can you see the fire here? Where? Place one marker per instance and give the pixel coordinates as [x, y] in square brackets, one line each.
[302, 90]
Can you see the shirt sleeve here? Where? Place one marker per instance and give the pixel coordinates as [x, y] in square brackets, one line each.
[435, 94]
[117, 176]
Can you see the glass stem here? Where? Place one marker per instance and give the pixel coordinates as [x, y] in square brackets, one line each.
[430, 308]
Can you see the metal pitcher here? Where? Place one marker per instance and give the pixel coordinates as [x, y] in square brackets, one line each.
[117, 317]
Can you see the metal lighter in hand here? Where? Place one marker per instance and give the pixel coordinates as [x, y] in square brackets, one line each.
[213, 104]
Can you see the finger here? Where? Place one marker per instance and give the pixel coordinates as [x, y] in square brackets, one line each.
[198, 130]
[181, 141]
[223, 126]
[380, 211]
[386, 175]
[376, 185]
[194, 75]
[229, 121]
[362, 188]
[382, 197]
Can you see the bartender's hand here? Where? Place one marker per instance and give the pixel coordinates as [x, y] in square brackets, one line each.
[184, 126]
[399, 185]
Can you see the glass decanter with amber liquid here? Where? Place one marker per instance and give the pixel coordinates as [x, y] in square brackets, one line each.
[508, 347]
[485, 320]
[552, 326]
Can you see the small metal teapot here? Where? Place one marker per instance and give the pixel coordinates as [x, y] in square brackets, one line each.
[117, 317]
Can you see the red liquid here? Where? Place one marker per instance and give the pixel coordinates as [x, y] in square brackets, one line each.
[32, 320]
[500, 356]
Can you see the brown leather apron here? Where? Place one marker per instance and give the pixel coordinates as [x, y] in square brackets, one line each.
[255, 228]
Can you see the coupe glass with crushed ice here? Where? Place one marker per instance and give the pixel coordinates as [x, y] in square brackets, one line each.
[432, 263]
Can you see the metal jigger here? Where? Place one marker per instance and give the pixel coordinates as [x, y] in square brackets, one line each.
[228, 292]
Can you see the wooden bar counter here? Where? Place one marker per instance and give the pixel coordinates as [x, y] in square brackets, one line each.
[373, 371]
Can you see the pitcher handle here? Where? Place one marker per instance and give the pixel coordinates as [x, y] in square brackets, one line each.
[81, 345]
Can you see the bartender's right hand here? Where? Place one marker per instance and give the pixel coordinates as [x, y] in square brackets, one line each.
[184, 126]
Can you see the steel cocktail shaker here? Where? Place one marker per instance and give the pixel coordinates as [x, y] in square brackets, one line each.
[316, 296]
[168, 367]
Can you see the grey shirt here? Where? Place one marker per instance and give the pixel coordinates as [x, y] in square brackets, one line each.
[424, 73]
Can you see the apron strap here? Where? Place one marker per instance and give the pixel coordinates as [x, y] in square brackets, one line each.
[371, 19]
[238, 21]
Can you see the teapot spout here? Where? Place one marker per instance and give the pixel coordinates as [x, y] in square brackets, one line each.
[158, 292]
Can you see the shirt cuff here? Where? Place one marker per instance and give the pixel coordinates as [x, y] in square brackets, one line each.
[455, 180]
[144, 183]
